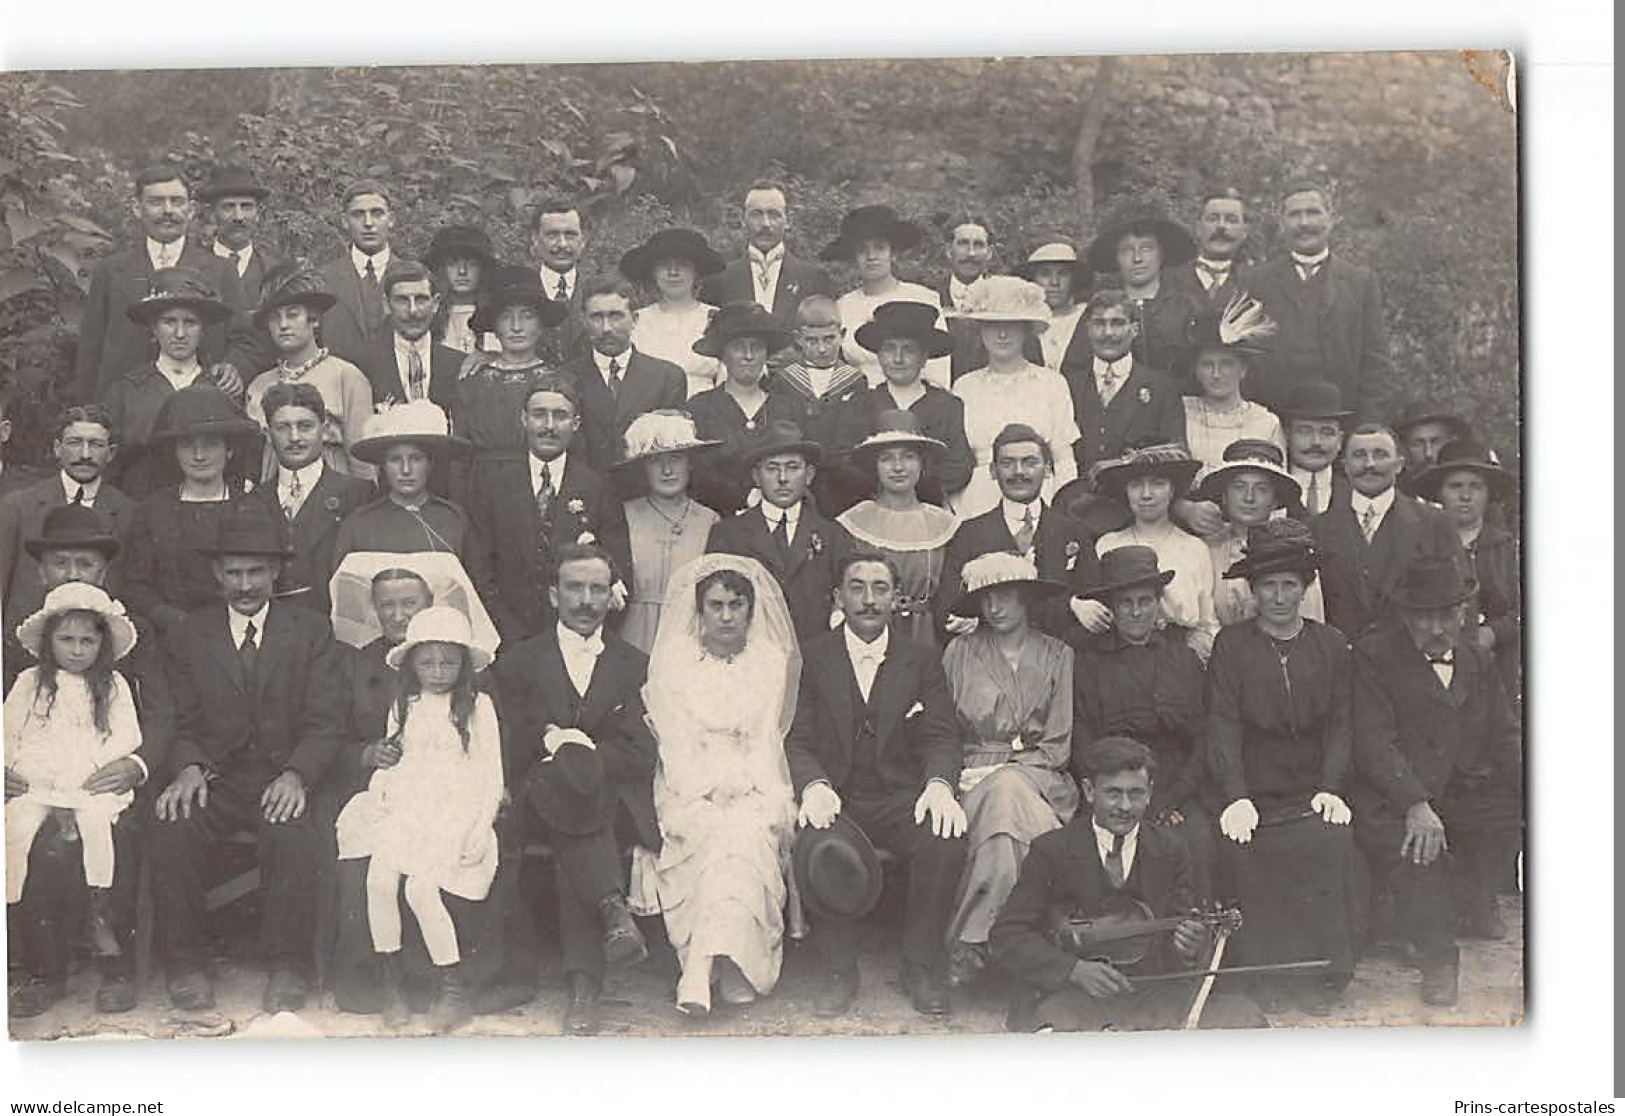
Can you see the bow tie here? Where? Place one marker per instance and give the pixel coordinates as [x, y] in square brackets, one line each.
[1447, 658]
[590, 645]
[1214, 267]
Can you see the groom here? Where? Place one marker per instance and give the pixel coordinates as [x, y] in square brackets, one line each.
[572, 713]
[874, 753]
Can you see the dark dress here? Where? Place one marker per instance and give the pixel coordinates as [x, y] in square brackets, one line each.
[165, 572]
[1494, 563]
[720, 481]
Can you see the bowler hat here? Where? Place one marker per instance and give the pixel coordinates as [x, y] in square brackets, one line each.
[516, 286]
[911, 321]
[1419, 411]
[292, 284]
[991, 570]
[178, 287]
[1464, 454]
[459, 242]
[1144, 218]
[1128, 567]
[201, 409]
[781, 436]
[420, 422]
[250, 529]
[72, 527]
[1433, 581]
[837, 869]
[871, 222]
[1251, 455]
[1315, 399]
[681, 244]
[741, 319]
[1276, 546]
[231, 181]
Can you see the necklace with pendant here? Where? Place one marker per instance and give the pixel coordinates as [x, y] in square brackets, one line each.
[675, 524]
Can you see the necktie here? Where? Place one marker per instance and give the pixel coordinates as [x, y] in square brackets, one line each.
[248, 654]
[237, 262]
[79, 496]
[614, 378]
[1114, 862]
[414, 374]
[371, 274]
[296, 491]
[544, 531]
[1368, 521]
[1024, 536]
[544, 495]
[781, 536]
[1314, 494]
[561, 293]
[1108, 385]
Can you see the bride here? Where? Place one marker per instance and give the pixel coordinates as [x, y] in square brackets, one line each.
[723, 678]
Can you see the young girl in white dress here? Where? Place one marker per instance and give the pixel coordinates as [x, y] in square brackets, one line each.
[426, 817]
[64, 719]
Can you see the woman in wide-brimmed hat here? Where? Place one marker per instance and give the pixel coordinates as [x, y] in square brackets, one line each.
[741, 335]
[462, 260]
[1011, 389]
[668, 527]
[1012, 686]
[210, 448]
[1223, 342]
[1279, 732]
[914, 535]
[1137, 239]
[1250, 488]
[1148, 479]
[1065, 281]
[870, 239]
[292, 301]
[1465, 482]
[179, 304]
[671, 263]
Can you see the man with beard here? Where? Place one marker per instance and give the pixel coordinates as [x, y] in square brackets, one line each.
[1328, 311]
[769, 275]
[1372, 532]
[1218, 273]
[408, 364]
[110, 343]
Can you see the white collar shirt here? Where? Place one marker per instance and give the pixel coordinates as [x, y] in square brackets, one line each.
[380, 261]
[866, 657]
[242, 256]
[621, 361]
[165, 255]
[1210, 273]
[178, 376]
[1105, 838]
[551, 280]
[458, 334]
[1112, 375]
[1321, 482]
[555, 472]
[239, 625]
[764, 273]
[1014, 513]
[1378, 505]
[791, 516]
[1308, 265]
[71, 487]
[1444, 668]
[307, 477]
[957, 291]
[580, 656]
[424, 347]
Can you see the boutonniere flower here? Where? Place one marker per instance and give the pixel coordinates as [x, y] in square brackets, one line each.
[914, 711]
[1145, 395]
[815, 544]
[586, 538]
[1071, 555]
[577, 506]
[1017, 745]
[331, 503]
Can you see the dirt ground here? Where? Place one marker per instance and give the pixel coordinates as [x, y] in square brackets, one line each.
[638, 1002]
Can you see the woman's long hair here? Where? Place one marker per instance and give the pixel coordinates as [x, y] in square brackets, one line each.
[463, 694]
[99, 677]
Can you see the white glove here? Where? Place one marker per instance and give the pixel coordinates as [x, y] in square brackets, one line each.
[617, 596]
[959, 625]
[1094, 616]
[555, 738]
[1239, 820]
[819, 806]
[1331, 808]
[937, 803]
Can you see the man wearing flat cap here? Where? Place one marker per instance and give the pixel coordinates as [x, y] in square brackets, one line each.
[356, 322]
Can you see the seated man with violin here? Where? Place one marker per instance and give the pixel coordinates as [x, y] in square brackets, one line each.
[1101, 923]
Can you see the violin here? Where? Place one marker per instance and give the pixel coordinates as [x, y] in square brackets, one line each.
[1123, 930]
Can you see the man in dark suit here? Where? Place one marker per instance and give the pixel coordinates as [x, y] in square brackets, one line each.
[769, 275]
[1312, 420]
[970, 253]
[1218, 273]
[876, 740]
[573, 719]
[532, 507]
[311, 497]
[356, 324]
[1078, 871]
[559, 240]
[1371, 533]
[84, 445]
[236, 202]
[617, 382]
[1328, 311]
[73, 544]
[1119, 401]
[1437, 751]
[407, 363]
[259, 719]
[1061, 546]
[110, 343]
[785, 532]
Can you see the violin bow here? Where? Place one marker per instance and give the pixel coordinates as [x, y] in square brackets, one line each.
[1221, 938]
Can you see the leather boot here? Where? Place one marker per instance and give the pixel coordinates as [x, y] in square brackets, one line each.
[99, 924]
[583, 1015]
[392, 1004]
[623, 941]
[451, 1009]
[1440, 976]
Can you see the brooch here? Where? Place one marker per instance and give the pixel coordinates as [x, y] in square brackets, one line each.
[815, 544]
[1145, 395]
[577, 506]
[586, 538]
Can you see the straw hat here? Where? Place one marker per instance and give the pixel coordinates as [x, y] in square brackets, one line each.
[893, 428]
[439, 624]
[1278, 545]
[1465, 455]
[1004, 298]
[1171, 460]
[681, 244]
[292, 284]
[994, 569]
[79, 596]
[1058, 252]
[1251, 455]
[663, 431]
[871, 222]
[1128, 567]
[913, 321]
[178, 287]
[419, 422]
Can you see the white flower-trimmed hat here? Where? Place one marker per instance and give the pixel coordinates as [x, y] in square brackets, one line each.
[77, 596]
[420, 422]
[439, 624]
[1005, 298]
[992, 570]
[663, 431]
